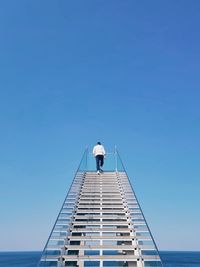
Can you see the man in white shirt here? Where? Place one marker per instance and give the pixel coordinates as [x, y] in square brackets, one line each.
[99, 153]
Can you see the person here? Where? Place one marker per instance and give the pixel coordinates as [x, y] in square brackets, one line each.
[99, 153]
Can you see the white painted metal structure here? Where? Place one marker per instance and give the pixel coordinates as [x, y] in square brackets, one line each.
[101, 223]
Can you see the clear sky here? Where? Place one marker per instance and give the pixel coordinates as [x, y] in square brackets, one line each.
[122, 72]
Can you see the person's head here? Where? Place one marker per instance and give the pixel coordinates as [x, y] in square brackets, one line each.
[98, 143]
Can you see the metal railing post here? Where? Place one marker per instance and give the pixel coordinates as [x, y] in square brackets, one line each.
[115, 153]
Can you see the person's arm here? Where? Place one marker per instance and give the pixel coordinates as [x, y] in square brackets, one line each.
[104, 152]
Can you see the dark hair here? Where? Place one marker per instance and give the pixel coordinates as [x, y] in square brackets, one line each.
[98, 143]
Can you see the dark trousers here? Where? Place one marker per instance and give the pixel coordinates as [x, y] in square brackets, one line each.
[99, 161]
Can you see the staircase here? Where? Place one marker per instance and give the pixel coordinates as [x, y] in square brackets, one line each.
[100, 225]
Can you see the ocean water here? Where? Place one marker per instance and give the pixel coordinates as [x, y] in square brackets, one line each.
[180, 259]
[30, 259]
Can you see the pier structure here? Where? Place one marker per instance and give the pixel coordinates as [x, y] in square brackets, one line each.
[101, 223]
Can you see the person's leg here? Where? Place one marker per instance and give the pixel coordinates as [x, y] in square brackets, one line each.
[102, 160]
[98, 162]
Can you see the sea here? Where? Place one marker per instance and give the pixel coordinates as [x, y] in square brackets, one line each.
[169, 258]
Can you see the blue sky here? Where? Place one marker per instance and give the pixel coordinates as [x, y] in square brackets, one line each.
[123, 72]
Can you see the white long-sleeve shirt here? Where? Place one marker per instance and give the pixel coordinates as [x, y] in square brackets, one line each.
[98, 150]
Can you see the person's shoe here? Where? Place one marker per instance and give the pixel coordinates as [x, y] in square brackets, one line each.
[101, 170]
[98, 172]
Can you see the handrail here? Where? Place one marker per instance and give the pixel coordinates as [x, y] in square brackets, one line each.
[43, 252]
[141, 210]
